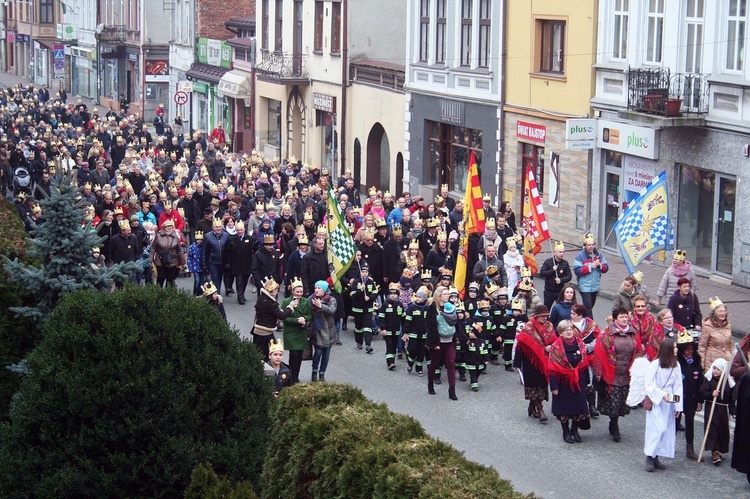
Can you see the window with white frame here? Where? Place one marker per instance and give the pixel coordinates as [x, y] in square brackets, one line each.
[620, 32]
[424, 30]
[440, 31]
[485, 33]
[736, 35]
[466, 22]
[694, 36]
[655, 30]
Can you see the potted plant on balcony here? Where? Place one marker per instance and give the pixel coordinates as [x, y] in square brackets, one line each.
[672, 106]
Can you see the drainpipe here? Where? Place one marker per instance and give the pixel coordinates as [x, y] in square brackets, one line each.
[503, 79]
[344, 85]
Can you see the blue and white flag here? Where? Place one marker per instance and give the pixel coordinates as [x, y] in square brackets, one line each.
[645, 227]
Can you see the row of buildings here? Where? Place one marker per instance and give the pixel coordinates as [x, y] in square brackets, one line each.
[597, 96]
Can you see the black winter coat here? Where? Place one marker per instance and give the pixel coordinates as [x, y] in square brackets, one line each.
[241, 251]
[265, 264]
[549, 274]
[314, 268]
[268, 311]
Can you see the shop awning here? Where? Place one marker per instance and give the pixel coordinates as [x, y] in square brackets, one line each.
[235, 84]
[205, 72]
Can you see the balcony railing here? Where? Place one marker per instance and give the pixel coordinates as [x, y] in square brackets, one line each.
[380, 77]
[282, 66]
[114, 34]
[657, 91]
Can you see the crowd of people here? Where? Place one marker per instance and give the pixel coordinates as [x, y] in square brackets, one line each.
[245, 221]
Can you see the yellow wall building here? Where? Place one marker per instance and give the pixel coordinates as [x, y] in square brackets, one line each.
[550, 49]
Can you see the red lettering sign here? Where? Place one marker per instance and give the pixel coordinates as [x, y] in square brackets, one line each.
[531, 131]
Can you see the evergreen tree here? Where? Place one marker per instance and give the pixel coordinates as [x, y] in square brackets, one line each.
[63, 246]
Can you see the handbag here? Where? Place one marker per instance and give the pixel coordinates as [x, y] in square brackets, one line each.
[648, 404]
[165, 258]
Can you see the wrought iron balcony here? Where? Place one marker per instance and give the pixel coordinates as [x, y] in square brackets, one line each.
[657, 91]
[114, 34]
[281, 66]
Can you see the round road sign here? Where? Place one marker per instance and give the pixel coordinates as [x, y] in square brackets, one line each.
[180, 98]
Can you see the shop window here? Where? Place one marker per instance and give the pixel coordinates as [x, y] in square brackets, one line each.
[449, 148]
[533, 157]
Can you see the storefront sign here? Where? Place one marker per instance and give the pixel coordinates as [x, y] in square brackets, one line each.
[23, 38]
[628, 139]
[157, 70]
[66, 32]
[10, 36]
[200, 87]
[452, 112]
[531, 131]
[324, 102]
[133, 57]
[214, 53]
[580, 133]
[637, 174]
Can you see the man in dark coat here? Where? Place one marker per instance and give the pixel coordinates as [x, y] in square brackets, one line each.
[314, 266]
[556, 274]
[392, 253]
[373, 255]
[241, 248]
[265, 262]
[214, 252]
[294, 263]
[124, 247]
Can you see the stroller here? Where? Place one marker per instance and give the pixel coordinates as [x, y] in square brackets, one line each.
[21, 181]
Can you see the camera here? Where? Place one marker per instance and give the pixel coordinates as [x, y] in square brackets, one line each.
[672, 398]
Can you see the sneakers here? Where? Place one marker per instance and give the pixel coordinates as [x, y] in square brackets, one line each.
[474, 388]
[359, 346]
[392, 367]
[400, 355]
[409, 368]
[368, 349]
[420, 373]
[716, 457]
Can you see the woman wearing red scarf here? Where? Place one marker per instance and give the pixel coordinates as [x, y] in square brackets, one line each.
[644, 323]
[567, 367]
[616, 349]
[588, 331]
[533, 343]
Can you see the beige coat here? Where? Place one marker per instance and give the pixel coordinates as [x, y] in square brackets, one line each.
[716, 342]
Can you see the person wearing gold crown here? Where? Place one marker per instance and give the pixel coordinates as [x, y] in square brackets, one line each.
[556, 274]
[390, 321]
[194, 262]
[166, 253]
[214, 298]
[415, 331]
[364, 292]
[440, 259]
[680, 268]
[295, 327]
[283, 376]
[265, 261]
[240, 251]
[716, 334]
[215, 252]
[267, 314]
[692, 378]
[589, 265]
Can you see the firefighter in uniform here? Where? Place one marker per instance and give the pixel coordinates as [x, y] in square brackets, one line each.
[363, 292]
[390, 319]
[415, 331]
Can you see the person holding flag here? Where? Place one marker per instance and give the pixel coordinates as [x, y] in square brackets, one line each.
[473, 226]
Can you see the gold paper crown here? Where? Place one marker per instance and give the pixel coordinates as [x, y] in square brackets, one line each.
[217, 223]
[413, 244]
[297, 283]
[483, 304]
[372, 191]
[487, 198]
[262, 206]
[638, 276]
[510, 242]
[714, 302]
[453, 290]
[442, 236]
[439, 199]
[198, 235]
[269, 284]
[209, 288]
[95, 249]
[118, 211]
[380, 222]
[474, 285]
[444, 187]
[504, 291]
[490, 223]
[124, 224]
[525, 284]
[426, 275]
[446, 272]
[386, 193]
[518, 304]
[492, 270]
[525, 272]
[268, 239]
[394, 286]
[588, 239]
[684, 337]
[307, 216]
[87, 185]
[322, 231]
[302, 240]
[239, 225]
[492, 288]
[680, 255]
[559, 246]
[276, 346]
[432, 222]
[407, 273]
[397, 230]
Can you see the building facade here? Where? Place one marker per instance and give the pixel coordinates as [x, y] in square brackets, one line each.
[550, 47]
[671, 95]
[77, 32]
[30, 35]
[237, 84]
[453, 94]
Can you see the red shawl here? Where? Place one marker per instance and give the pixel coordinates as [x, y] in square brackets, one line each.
[651, 332]
[532, 340]
[559, 365]
[604, 353]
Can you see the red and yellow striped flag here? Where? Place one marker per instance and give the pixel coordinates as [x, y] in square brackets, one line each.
[474, 222]
[535, 227]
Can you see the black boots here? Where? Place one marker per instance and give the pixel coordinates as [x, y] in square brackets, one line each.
[430, 388]
[658, 465]
[532, 409]
[614, 429]
[566, 433]
[591, 399]
[574, 432]
[452, 392]
[690, 452]
[314, 376]
[540, 411]
[649, 464]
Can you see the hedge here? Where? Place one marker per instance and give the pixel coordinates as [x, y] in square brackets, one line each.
[328, 440]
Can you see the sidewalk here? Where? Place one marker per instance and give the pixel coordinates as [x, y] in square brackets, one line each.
[12, 80]
[736, 298]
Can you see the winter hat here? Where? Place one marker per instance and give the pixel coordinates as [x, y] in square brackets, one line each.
[322, 285]
[422, 293]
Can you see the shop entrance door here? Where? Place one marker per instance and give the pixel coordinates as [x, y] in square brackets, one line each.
[612, 206]
[706, 217]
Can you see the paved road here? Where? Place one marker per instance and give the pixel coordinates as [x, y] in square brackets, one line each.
[491, 427]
